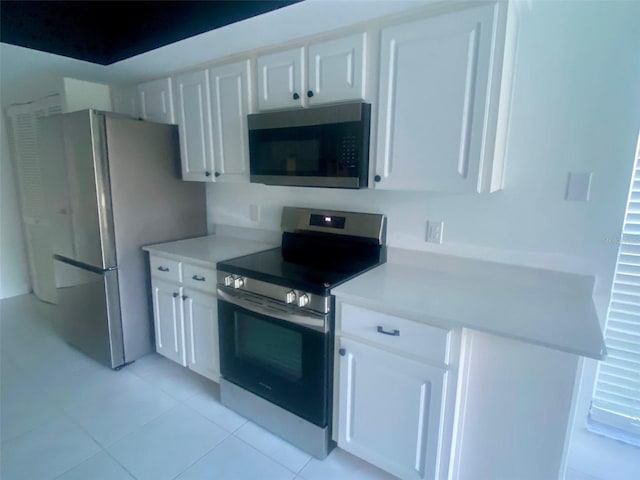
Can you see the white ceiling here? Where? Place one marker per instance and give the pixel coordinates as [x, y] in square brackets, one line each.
[23, 72]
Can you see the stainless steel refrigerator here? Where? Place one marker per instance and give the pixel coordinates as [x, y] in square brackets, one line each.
[111, 184]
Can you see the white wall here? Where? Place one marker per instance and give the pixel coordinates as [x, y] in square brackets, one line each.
[14, 273]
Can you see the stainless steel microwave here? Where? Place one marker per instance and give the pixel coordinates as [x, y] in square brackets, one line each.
[311, 147]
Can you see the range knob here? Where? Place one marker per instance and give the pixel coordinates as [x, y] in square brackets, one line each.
[228, 281]
[290, 297]
[238, 282]
[303, 300]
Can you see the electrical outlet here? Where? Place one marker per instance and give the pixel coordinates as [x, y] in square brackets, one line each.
[434, 231]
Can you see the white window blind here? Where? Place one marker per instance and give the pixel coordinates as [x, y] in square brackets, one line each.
[615, 407]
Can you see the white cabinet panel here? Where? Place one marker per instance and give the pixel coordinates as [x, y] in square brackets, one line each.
[194, 121]
[390, 410]
[280, 79]
[201, 325]
[435, 100]
[167, 312]
[229, 106]
[166, 268]
[337, 70]
[395, 333]
[156, 101]
[185, 319]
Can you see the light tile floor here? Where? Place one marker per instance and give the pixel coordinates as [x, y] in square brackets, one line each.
[64, 416]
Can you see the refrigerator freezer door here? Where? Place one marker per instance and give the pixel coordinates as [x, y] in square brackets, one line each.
[88, 313]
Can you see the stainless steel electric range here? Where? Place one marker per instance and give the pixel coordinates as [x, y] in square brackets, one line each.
[276, 321]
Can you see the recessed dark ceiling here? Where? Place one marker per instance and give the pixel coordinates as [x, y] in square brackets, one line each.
[105, 32]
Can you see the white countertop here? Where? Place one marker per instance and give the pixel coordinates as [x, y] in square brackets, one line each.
[206, 251]
[543, 307]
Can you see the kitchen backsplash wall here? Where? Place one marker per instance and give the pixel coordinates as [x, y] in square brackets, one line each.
[575, 109]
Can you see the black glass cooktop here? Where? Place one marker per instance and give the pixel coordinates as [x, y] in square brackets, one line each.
[320, 271]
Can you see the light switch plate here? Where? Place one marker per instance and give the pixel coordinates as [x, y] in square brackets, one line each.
[254, 213]
[578, 186]
[434, 231]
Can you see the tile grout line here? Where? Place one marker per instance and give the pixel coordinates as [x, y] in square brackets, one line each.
[203, 455]
[269, 456]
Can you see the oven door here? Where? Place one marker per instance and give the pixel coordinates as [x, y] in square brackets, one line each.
[281, 361]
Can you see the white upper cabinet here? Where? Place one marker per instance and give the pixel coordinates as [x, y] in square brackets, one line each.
[194, 121]
[280, 79]
[443, 98]
[156, 101]
[337, 70]
[230, 101]
[323, 72]
[212, 110]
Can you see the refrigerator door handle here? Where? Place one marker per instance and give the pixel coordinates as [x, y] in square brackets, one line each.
[85, 266]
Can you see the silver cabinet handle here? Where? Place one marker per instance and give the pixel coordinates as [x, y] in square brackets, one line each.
[163, 269]
[184, 297]
[342, 352]
[176, 295]
[198, 278]
[395, 333]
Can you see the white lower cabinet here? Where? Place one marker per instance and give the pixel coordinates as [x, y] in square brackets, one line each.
[185, 314]
[167, 313]
[390, 409]
[201, 333]
[395, 391]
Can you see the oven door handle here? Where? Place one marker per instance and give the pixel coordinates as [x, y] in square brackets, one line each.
[305, 318]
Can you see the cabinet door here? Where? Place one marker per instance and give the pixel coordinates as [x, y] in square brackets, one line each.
[281, 80]
[194, 121]
[201, 322]
[433, 100]
[337, 70]
[156, 102]
[167, 313]
[229, 106]
[390, 410]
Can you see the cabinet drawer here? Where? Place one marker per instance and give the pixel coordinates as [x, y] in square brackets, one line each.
[394, 332]
[201, 278]
[165, 268]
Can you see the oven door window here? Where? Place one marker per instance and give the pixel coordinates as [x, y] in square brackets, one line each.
[272, 347]
[282, 362]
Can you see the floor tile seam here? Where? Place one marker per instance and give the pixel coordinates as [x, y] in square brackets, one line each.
[29, 431]
[166, 412]
[84, 430]
[102, 450]
[142, 425]
[73, 422]
[35, 429]
[155, 385]
[203, 455]
[212, 420]
[271, 457]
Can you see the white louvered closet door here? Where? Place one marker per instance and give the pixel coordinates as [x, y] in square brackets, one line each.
[23, 121]
[616, 399]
